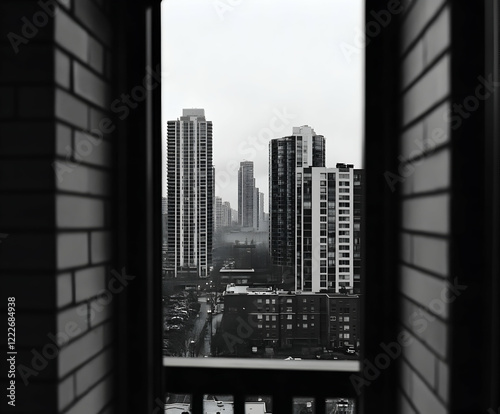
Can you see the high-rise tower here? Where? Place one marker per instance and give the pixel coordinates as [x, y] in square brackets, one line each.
[287, 157]
[247, 196]
[315, 215]
[328, 229]
[190, 194]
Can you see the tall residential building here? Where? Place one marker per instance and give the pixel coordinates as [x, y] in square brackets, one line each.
[222, 213]
[226, 214]
[287, 157]
[328, 229]
[315, 215]
[190, 194]
[217, 212]
[247, 196]
[234, 217]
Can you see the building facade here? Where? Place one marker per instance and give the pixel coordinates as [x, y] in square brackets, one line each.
[248, 197]
[217, 212]
[283, 321]
[328, 227]
[287, 157]
[190, 194]
[315, 215]
[222, 213]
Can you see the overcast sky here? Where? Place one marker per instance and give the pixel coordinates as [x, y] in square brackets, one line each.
[261, 67]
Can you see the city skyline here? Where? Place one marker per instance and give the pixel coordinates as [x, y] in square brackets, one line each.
[257, 86]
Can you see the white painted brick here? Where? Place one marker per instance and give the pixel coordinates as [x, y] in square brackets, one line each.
[437, 127]
[417, 19]
[424, 398]
[63, 140]
[85, 180]
[72, 250]
[74, 320]
[405, 376]
[436, 336]
[100, 243]
[71, 109]
[406, 247]
[94, 19]
[438, 35]
[424, 289]
[413, 64]
[89, 282]
[62, 68]
[421, 359]
[92, 150]
[431, 253]
[443, 381]
[412, 141]
[95, 400]
[65, 393]
[433, 87]
[404, 406]
[101, 309]
[93, 371]
[79, 212]
[65, 3]
[64, 289]
[429, 214]
[432, 172]
[89, 86]
[81, 350]
[426, 327]
[96, 55]
[71, 36]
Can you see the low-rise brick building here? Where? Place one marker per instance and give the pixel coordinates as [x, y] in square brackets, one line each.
[258, 321]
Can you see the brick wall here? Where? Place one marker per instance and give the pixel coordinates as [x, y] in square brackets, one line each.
[55, 80]
[425, 207]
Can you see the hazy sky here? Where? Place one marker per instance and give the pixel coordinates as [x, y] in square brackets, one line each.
[261, 67]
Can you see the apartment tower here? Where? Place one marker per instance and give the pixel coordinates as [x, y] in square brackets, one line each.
[190, 194]
[248, 196]
[288, 156]
[328, 228]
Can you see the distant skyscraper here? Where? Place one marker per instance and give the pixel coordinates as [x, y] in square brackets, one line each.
[226, 214]
[247, 196]
[190, 192]
[222, 213]
[218, 213]
[287, 157]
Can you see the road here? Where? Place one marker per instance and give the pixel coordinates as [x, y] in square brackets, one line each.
[199, 323]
